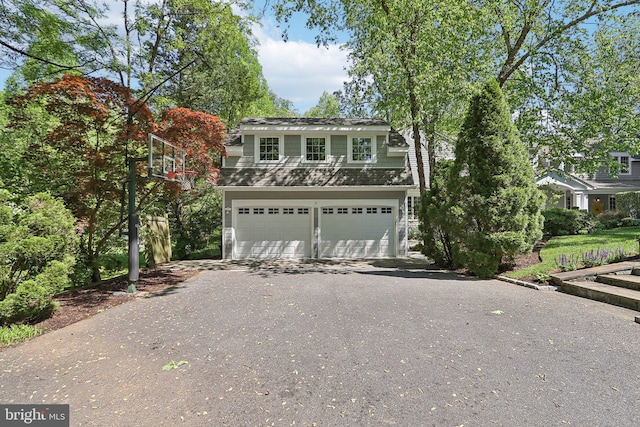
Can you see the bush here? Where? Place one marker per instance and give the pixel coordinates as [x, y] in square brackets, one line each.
[610, 219]
[628, 203]
[37, 247]
[565, 222]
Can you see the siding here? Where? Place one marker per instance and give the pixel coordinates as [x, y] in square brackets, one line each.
[293, 155]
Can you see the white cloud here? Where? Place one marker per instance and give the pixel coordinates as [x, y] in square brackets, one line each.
[298, 70]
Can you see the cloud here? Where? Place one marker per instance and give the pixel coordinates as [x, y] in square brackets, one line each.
[298, 70]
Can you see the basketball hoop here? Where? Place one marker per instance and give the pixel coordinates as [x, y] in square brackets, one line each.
[186, 178]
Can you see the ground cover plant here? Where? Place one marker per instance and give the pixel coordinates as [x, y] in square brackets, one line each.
[579, 247]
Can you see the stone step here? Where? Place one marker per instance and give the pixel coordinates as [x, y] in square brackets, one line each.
[628, 281]
[614, 295]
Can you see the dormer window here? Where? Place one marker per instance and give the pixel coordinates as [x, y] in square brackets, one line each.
[316, 149]
[269, 149]
[362, 149]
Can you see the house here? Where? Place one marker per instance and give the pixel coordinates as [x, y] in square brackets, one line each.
[595, 193]
[314, 188]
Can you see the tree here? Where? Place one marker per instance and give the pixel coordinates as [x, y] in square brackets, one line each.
[328, 106]
[95, 124]
[498, 204]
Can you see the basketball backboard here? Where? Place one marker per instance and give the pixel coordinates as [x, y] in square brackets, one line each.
[166, 160]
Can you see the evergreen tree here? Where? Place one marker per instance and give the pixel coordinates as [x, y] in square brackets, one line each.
[498, 204]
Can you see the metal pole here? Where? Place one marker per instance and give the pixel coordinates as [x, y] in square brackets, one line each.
[134, 247]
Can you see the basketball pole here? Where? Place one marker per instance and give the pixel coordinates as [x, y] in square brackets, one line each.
[134, 224]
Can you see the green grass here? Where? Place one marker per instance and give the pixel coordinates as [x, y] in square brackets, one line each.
[16, 333]
[625, 238]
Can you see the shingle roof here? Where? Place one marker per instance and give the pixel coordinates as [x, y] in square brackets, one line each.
[314, 177]
[233, 137]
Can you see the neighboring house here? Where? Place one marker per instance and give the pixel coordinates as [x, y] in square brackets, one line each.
[314, 188]
[595, 193]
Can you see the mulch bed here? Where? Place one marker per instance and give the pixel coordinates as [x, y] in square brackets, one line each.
[79, 304]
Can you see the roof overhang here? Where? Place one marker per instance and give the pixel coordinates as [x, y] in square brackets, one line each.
[313, 128]
[564, 181]
[307, 189]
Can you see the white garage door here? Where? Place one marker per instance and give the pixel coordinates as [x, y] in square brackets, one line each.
[272, 232]
[356, 232]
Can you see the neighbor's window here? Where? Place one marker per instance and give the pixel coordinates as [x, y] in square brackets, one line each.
[362, 149]
[623, 163]
[269, 148]
[316, 149]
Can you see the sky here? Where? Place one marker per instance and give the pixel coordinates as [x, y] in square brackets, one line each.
[296, 70]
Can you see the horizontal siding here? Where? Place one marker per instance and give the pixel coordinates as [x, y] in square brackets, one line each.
[293, 155]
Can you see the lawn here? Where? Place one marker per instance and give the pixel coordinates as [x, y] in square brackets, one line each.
[625, 238]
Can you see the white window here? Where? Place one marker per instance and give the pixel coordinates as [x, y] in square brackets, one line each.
[356, 210]
[303, 211]
[244, 211]
[315, 149]
[343, 211]
[327, 211]
[274, 211]
[385, 210]
[623, 161]
[268, 149]
[288, 211]
[413, 206]
[372, 210]
[362, 149]
[612, 202]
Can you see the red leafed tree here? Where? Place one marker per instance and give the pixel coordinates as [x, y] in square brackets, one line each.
[200, 134]
[92, 126]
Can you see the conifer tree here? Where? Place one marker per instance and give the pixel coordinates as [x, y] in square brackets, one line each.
[492, 184]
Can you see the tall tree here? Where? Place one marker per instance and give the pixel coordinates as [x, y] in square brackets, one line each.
[328, 106]
[498, 204]
[81, 158]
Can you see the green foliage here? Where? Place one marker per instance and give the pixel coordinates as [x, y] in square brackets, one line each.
[328, 106]
[196, 220]
[436, 218]
[494, 185]
[628, 203]
[16, 333]
[624, 238]
[610, 219]
[562, 222]
[38, 244]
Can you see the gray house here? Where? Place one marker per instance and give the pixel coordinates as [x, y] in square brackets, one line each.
[314, 188]
[597, 192]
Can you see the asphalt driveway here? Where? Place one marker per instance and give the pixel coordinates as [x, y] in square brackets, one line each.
[338, 345]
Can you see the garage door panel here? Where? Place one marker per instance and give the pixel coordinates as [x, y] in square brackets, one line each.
[272, 234]
[355, 232]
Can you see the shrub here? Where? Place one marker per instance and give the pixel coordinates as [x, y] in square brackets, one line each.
[37, 247]
[16, 333]
[628, 203]
[564, 222]
[610, 219]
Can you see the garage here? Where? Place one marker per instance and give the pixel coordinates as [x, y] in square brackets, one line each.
[356, 232]
[272, 232]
